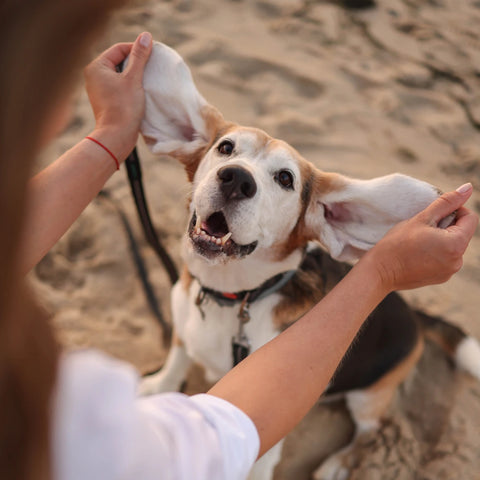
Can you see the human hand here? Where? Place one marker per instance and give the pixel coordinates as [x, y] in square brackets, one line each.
[118, 99]
[416, 252]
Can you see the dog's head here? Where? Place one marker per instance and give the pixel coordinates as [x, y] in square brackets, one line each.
[254, 196]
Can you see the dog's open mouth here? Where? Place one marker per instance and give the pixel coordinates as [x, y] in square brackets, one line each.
[212, 237]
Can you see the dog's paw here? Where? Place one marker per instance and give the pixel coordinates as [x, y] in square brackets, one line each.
[332, 469]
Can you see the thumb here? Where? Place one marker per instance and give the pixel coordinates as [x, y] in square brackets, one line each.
[446, 205]
[139, 55]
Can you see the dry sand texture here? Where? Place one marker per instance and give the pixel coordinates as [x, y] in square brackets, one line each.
[394, 89]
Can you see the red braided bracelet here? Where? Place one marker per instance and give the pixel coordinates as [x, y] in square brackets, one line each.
[107, 150]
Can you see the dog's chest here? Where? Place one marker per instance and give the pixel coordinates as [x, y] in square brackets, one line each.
[207, 330]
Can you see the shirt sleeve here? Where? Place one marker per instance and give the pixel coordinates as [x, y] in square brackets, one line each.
[103, 431]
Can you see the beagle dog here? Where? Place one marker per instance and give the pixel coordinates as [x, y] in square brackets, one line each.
[267, 238]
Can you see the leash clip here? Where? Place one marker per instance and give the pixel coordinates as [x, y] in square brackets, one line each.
[244, 311]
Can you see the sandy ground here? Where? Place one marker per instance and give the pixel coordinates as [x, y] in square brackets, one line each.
[392, 89]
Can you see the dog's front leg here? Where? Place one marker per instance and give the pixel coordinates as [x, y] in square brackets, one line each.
[171, 376]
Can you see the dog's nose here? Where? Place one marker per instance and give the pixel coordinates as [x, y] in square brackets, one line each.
[236, 183]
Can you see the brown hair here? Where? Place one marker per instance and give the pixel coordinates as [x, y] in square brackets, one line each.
[43, 44]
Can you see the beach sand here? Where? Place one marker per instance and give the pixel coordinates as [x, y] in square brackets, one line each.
[363, 93]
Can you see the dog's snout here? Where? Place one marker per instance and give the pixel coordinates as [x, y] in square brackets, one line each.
[236, 183]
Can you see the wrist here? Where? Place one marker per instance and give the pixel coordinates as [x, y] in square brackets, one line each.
[120, 145]
[376, 273]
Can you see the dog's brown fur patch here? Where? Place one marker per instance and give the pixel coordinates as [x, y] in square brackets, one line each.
[299, 296]
[186, 278]
[216, 127]
[315, 184]
[176, 340]
[382, 391]
[316, 276]
[444, 334]
[399, 373]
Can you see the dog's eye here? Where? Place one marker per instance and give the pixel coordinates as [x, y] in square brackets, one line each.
[285, 179]
[226, 147]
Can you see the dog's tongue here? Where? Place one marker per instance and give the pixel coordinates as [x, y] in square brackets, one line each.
[216, 225]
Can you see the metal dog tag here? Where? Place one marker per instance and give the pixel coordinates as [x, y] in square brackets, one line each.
[240, 342]
[240, 348]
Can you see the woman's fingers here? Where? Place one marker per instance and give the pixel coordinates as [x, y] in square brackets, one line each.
[139, 56]
[414, 254]
[115, 55]
[445, 205]
[118, 99]
[139, 52]
[465, 224]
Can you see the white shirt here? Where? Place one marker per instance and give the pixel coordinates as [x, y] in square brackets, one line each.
[102, 430]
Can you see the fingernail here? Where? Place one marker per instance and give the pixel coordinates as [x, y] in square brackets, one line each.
[464, 188]
[145, 39]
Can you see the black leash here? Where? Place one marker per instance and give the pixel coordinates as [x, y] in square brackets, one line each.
[134, 172]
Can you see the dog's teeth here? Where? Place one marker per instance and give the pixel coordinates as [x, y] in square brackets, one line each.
[225, 238]
[198, 223]
[200, 233]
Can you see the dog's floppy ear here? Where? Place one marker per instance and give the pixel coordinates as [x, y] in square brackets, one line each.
[350, 216]
[178, 121]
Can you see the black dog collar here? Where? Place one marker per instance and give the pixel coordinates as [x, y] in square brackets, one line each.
[240, 342]
[228, 299]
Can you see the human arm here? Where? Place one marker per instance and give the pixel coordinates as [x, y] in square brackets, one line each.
[279, 383]
[58, 194]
